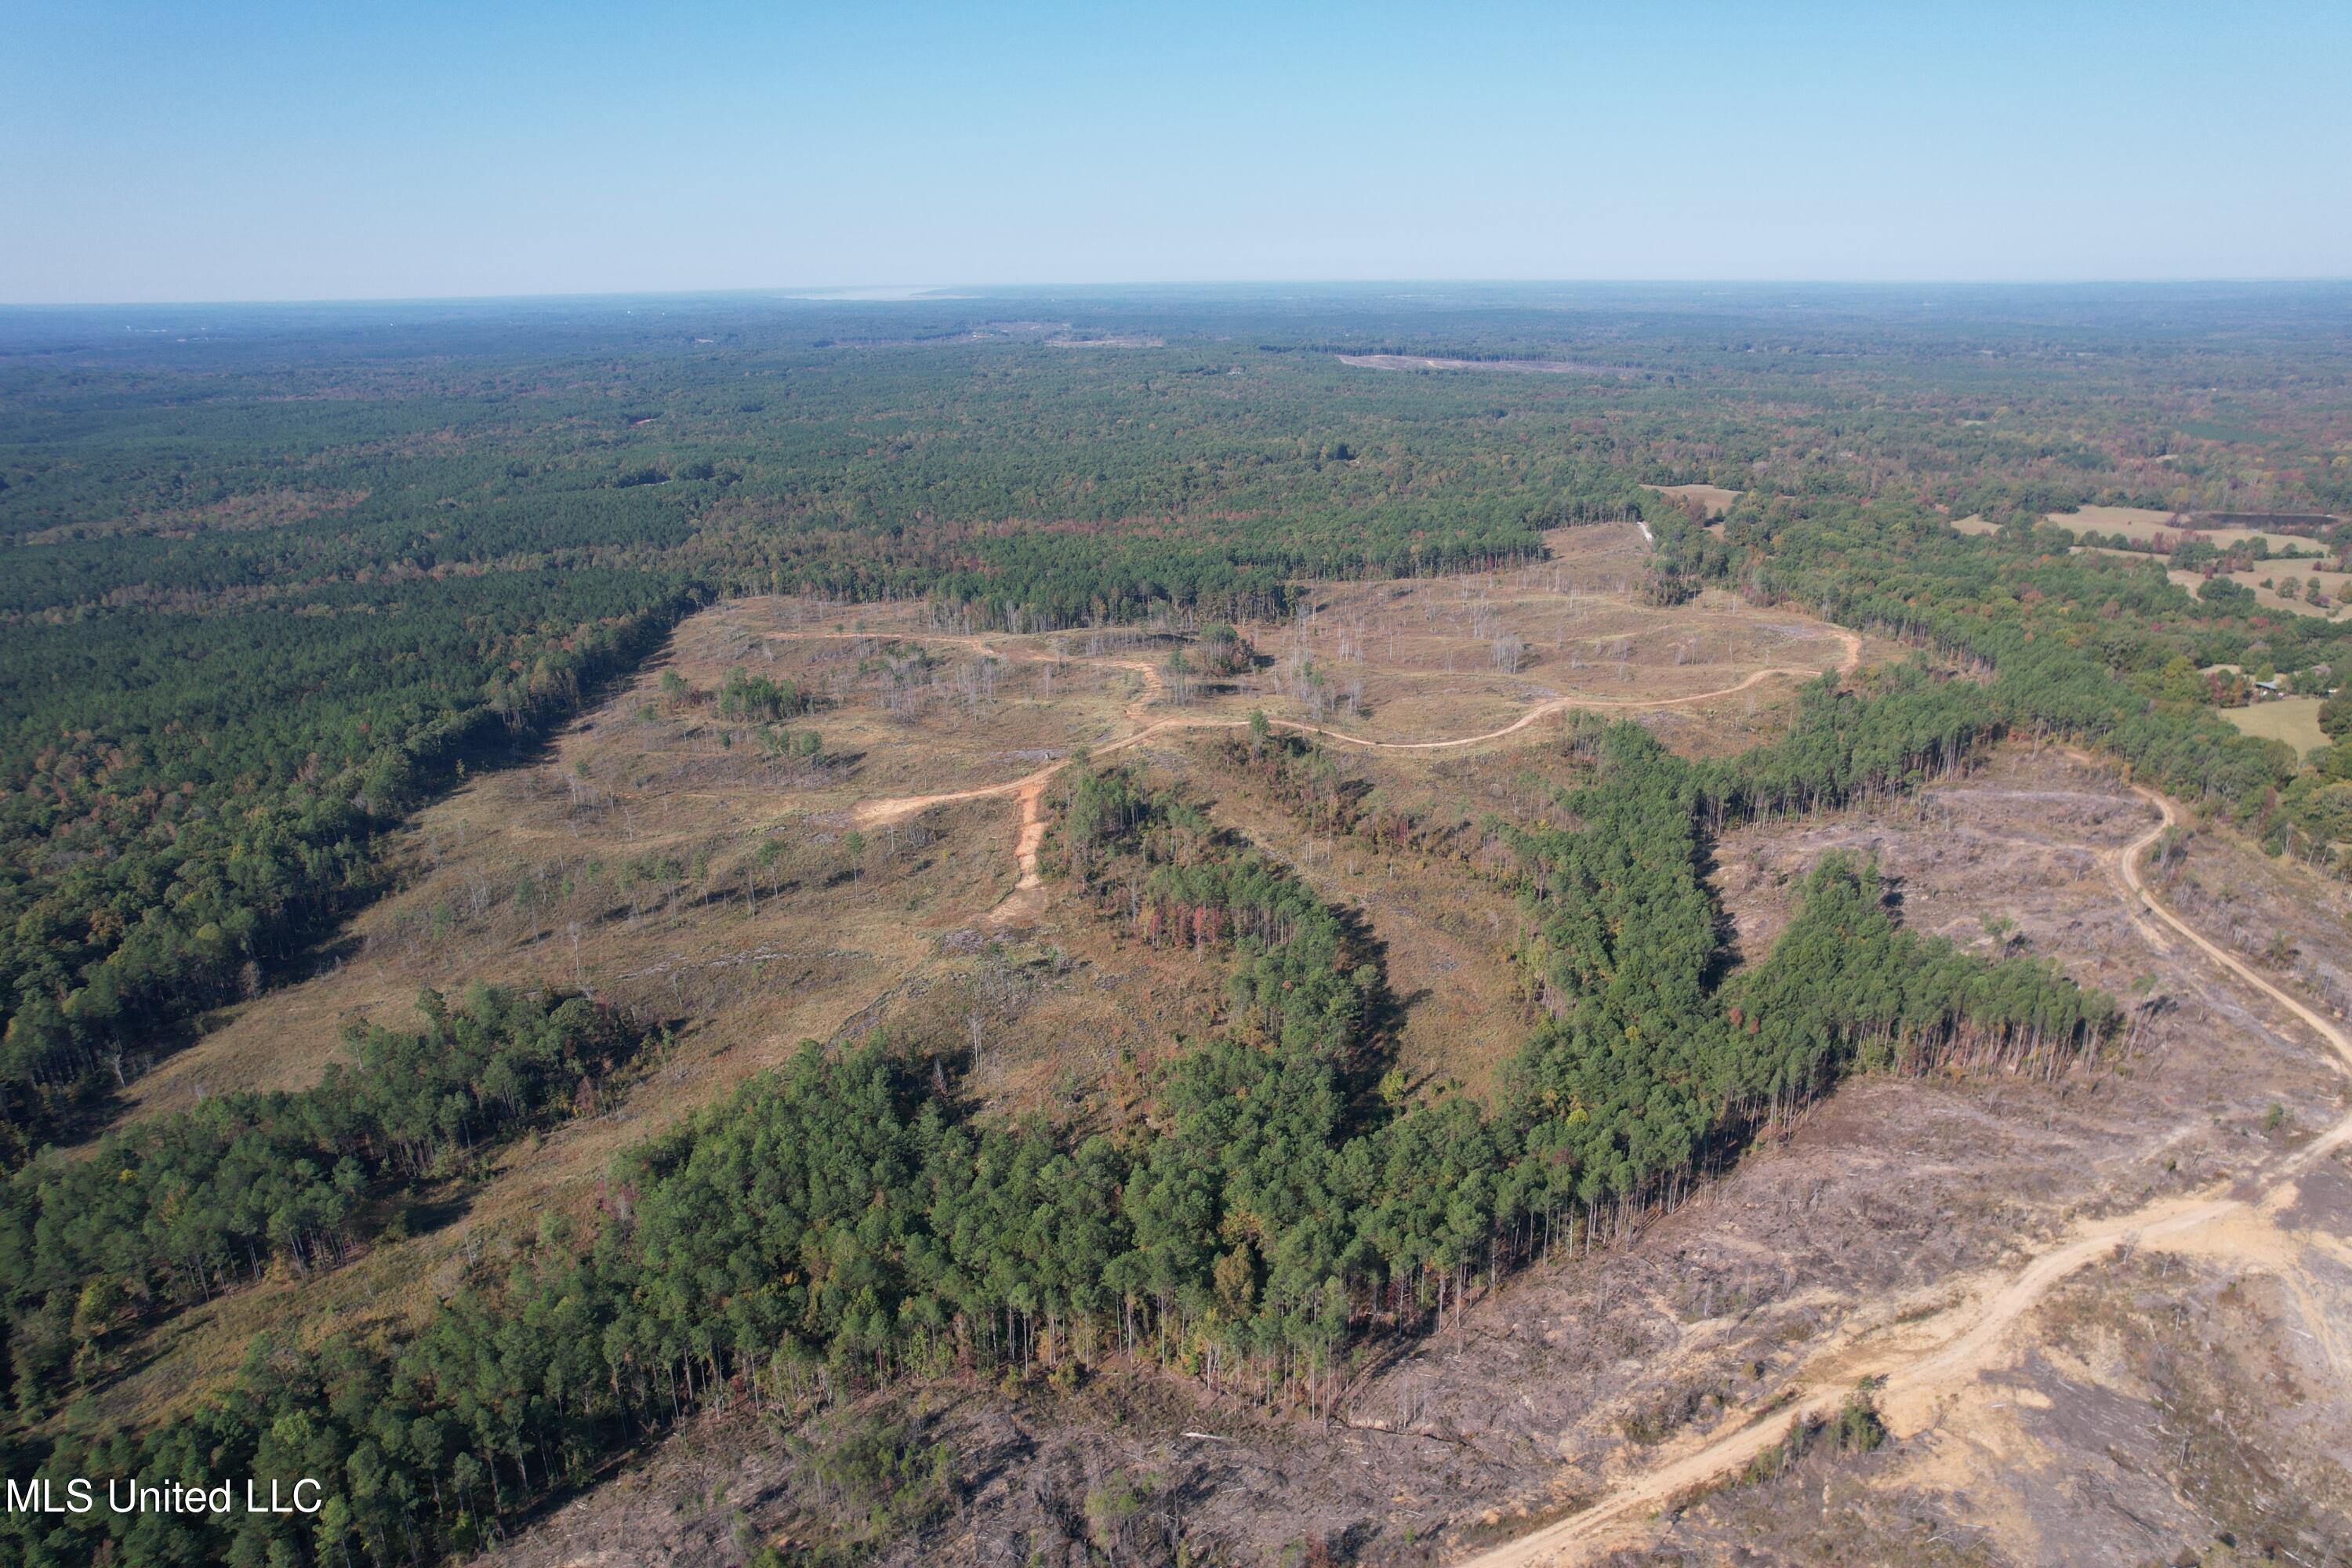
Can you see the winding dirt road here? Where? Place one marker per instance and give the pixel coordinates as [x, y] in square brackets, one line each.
[1943, 1352]
[1028, 792]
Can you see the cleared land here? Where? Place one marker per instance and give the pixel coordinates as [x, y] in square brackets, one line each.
[1929, 1372]
[2070, 1277]
[1516, 366]
[1713, 500]
[2145, 523]
[2334, 586]
[1994, 1243]
[1955, 1232]
[659, 858]
[2295, 720]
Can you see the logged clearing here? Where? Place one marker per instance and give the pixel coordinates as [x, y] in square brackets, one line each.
[1995, 1248]
[2295, 720]
[674, 861]
[2060, 1281]
[1713, 500]
[1937, 1364]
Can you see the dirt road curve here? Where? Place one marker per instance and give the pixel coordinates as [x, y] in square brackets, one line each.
[1028, 792]
[1957, 1343]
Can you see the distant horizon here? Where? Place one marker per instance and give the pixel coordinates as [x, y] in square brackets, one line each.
[949, 293]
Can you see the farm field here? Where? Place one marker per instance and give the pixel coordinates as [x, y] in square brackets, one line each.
[2333, 584]
[2295, 720]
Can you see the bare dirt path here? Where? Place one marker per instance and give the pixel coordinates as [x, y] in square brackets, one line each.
[1028, 792]
[1943, 1352]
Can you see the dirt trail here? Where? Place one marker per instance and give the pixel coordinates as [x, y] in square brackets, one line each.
[1949, 1349]
[1028, 792]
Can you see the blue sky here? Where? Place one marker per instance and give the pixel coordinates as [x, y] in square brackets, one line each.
[335, 151]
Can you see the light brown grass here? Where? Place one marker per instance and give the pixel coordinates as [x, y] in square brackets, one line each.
[2295, 720]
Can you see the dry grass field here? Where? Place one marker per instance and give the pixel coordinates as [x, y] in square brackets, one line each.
[2334, 585]
[2295, 720]
[2145, 523]
[1713, 500]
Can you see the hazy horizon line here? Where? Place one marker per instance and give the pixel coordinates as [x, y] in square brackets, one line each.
[942, 293]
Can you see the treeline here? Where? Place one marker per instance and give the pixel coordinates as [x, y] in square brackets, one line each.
[178, 1207]
[1843, 983]
[1640, 1079]
[2081, 649]
[1227, 567]
[191, 797]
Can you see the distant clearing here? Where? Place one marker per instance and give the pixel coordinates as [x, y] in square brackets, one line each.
[1521, 366]
[1714, 498]
[2268, 520]
[236, 514]
[2132, 521]
[2295, 720]
[2145, 523]
[2333, 584]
